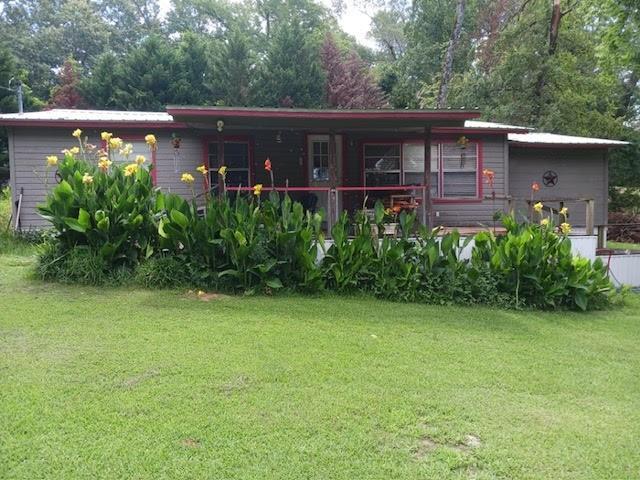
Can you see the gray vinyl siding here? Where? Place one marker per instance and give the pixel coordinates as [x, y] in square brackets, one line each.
[582, 173]
[30, 146]
[479, 213]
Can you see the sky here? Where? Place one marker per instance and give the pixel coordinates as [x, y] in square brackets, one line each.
[353, 20]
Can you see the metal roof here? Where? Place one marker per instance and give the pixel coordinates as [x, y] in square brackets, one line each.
[72, 117]
[553, 140]
[493, 125]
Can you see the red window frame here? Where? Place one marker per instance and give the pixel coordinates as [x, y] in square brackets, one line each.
[231, 139]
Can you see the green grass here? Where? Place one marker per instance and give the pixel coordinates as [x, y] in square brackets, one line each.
[116, 383]
[10, 243]
[623, 246]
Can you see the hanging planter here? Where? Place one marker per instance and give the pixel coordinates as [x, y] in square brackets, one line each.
[175, 140]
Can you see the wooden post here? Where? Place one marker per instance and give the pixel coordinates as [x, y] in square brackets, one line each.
[426, 201]
[510, 205]
[590, 217]
[333, 178]
[602, 236]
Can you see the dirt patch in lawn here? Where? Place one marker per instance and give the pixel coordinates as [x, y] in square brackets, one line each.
[191, 443]
[425, 446]
[205, 296]
[470, 442]
[136, 380]
[235, 384]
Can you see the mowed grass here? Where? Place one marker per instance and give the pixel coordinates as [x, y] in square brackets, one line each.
[117, 383]
[623, 246]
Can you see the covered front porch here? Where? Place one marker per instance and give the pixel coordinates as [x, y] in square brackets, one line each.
[423, 161]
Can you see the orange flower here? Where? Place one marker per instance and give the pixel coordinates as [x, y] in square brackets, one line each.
[535, 186]
[267, 165]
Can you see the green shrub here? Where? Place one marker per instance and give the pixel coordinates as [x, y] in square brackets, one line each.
[163, 272]
[109, 209]
[535, 266]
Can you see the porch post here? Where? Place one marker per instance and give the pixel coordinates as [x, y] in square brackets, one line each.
[333, 179]
[426, 201]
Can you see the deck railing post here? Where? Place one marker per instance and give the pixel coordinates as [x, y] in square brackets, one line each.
[424, 206]
[589, 217]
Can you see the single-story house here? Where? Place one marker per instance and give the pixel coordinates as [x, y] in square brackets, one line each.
[336, 159]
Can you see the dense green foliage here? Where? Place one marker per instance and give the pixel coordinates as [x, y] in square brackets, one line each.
[109, 220]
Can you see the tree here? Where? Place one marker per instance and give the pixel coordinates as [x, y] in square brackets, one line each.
[67, 94]
[447, 64]
[290, 74]
[349, 83]
[232, 71]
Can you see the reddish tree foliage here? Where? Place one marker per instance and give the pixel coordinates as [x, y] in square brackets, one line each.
[66, 94]
[349, 83]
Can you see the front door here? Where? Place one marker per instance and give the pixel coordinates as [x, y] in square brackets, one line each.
[318, 166]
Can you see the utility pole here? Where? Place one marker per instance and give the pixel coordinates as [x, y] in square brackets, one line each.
[18, 91]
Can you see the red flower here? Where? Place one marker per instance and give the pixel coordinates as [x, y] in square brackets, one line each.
[267, 165]
[535, 186]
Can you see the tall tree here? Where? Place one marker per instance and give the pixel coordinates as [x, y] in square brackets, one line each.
[67, 94]
[290, 74]
[232, 71]
[447, 63]
[349, 83]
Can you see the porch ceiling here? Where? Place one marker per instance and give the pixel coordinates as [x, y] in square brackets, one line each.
[319, 120]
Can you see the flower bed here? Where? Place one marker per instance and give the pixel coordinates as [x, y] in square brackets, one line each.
[111, 224]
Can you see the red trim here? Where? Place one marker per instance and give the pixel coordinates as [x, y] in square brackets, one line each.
[282, 189]
[305, 158]
[323, 114]
[591, 146]
[92, 124]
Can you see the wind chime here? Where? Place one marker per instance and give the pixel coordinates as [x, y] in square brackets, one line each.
[175, 141]
[462, 143]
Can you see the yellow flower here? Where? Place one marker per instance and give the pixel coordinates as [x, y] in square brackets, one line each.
[52, 160]
[202, 169]
[77, 132]
[87, 179]
[126, 150]
[130, 169]
[140, 159]
[538, 207]
[74, 150]
[115, 143]
[544, 222]
[187, 178]
[564, 211]
[565, 228]
[151, 140]
[104, 164]
[257, 189]
[223, 171]
[106, 136]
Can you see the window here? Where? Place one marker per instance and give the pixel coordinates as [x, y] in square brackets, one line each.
[236, 158]
[320, 159]
[413, 165]
[382, 164]
[454, 169]
[459, 170]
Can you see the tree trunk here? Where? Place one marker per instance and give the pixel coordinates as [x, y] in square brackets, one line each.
[552, 47]
[554, 27]
[447, 63]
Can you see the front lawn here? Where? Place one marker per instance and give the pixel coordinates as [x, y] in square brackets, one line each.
[623, 246]
[118, 383]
